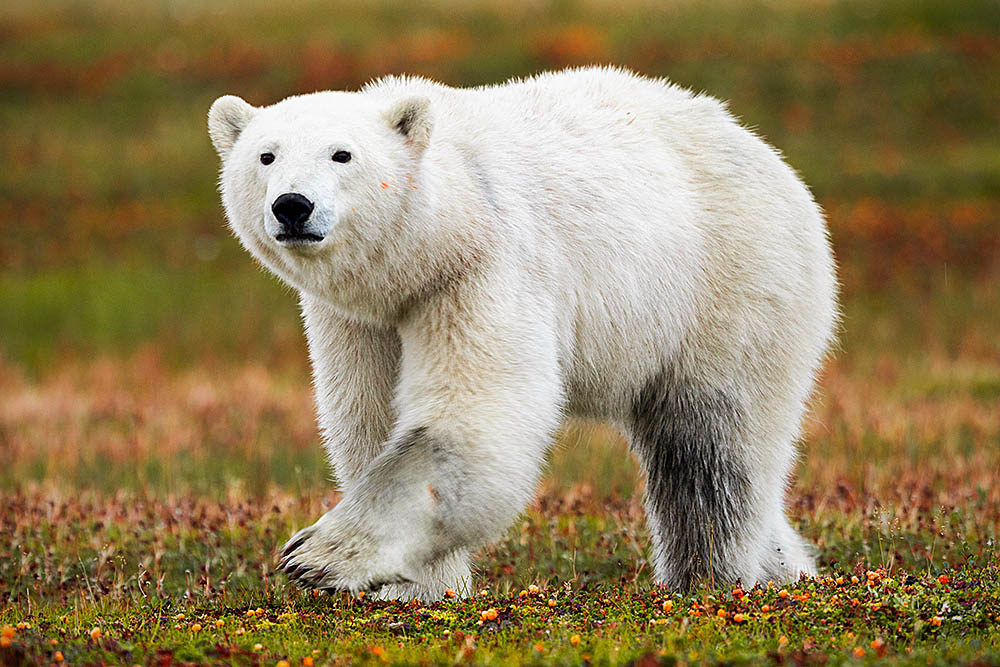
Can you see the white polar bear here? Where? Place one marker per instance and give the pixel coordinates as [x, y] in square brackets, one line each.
[475, 265]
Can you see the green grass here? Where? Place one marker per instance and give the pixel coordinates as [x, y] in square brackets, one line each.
[146, 584]
[192, 313]
[891, 618]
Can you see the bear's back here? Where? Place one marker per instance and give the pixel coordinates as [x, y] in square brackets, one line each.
[594, 104]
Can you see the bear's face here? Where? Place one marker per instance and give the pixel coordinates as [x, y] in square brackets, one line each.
[317, 182]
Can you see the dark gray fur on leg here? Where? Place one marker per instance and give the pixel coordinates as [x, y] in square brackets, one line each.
[697, 489]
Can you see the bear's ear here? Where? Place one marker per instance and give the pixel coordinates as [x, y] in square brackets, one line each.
[412, 118]
[228, 117]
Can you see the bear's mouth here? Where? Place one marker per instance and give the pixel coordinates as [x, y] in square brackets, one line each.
[300, 238]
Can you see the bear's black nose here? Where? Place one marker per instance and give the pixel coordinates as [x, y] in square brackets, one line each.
[292, 210]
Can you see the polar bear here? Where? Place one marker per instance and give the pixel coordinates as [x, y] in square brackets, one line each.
[476, 265]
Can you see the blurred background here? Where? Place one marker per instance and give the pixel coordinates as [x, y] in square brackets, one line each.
[141, 349]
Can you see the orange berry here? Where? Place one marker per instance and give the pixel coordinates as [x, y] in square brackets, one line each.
[196, 627]
[943, 579]
[179, 617]
[721, 613]
[449, 593]
[8, 632]
[859, 652]
[936, 621]
[782, 593]
[737, 593]
[377, 650]
[532, 589]
[765, 608]
[219, 623]
[282, 663]
[539, 647]
[95, 634]
[854, 580]
[574, 640]
[739, 618]
[59, 656]
[5, 642]
[668, 606]
[840, 581]
[782, 640]
[489, 615]
[552, 602]
[307, 661]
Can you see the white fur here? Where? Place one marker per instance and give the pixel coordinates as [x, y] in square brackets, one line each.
[514, 255]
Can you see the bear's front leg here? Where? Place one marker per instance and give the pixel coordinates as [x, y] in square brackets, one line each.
[384, 531]
[478, 401]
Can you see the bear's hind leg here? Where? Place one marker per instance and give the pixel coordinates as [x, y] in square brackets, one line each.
[710, 518]
[789, 555]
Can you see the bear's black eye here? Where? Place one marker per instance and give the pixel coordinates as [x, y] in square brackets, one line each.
[266, 158]
[341, 156]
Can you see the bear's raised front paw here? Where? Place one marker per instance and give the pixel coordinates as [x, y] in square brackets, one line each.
[321, 557]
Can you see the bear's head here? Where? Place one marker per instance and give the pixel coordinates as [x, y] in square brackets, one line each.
[317, 186]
